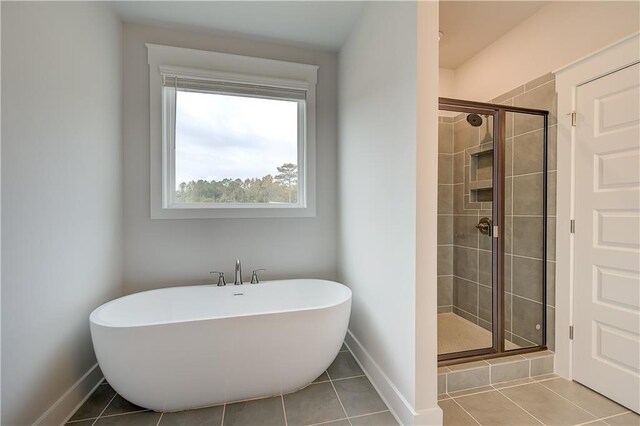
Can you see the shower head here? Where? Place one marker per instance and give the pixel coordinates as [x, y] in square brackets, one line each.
[474, 119]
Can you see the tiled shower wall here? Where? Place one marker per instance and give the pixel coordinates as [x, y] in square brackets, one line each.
[445, 214]
[472, 291]
[523, 214]
[464, 255]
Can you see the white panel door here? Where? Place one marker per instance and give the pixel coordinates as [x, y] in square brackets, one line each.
[606, 351]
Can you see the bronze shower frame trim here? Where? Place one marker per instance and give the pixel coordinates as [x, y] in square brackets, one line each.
[499, 112]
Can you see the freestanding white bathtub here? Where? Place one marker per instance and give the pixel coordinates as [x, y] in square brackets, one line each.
[186, 347]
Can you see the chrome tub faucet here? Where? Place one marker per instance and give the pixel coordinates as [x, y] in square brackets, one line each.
[238, 279]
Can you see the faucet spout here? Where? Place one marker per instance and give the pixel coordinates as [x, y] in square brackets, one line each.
[238, 279]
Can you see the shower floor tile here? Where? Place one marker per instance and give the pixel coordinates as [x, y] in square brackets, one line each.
[456, 334]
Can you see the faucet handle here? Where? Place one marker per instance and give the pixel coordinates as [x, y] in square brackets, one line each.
[221, 281]
[254, 275]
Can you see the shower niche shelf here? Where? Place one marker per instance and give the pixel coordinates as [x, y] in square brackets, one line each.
[481, 172]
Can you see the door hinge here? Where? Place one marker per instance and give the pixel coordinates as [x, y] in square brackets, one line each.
[570, 332]
[573, 226]
[574, 119]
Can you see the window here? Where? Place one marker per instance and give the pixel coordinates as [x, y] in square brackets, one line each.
[231, 144]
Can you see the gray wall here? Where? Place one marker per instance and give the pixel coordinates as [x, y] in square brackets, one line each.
[62, 229]
[163, 253]
[377, 162]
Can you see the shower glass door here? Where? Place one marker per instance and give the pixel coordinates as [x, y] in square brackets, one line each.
[526, 218]
[466, 288]
[492, 225]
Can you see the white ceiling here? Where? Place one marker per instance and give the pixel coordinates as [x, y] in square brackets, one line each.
[320, 24]
[470, 26]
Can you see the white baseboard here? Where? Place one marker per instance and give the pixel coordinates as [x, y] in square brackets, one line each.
[72, 399]
[398, 405]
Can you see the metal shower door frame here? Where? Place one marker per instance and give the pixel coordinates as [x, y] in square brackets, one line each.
[499, 112]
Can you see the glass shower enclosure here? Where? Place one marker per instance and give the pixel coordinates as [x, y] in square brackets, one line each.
[492, 227]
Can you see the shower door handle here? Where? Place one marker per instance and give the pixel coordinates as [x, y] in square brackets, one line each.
[484, 226]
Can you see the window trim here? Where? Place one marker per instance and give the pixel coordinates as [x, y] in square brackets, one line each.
[234, 69]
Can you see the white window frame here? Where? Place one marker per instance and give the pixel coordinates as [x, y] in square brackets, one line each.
[206, 65]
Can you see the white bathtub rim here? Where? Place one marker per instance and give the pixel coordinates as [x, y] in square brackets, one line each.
[95, 320]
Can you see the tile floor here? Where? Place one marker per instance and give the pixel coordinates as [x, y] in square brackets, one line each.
[341, 396]
[456, 334]
[545, 400]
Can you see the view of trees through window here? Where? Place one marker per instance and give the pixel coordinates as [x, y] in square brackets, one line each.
[225, 143]
[279, 188]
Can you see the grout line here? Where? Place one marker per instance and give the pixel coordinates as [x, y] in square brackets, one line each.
[614, 415]
[329, 421]
[526, 298]
[284, 410]
[526, 174]
[522, 408]
[463, 409]
[520, 337]
[563, 397]
[527, 133]
[544, 380]
[80, 420]
[531, 258]
[471, 393]
[347, 378]
[124, 414]
[370, 414]
[515, 386]
[338, 396]
[224, 409]
[160, 419]
[107, 406]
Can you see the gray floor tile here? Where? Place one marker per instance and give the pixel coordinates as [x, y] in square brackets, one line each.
[513, 383]
[453, 415]
[545, 377]
[493, 408]
[471, 391]
[146, 418]
[628, 419]
[314, 404]
[201, 417]
[358, 396]
[322, 378]
[119, 405]
[343, 348]
[343, 366]
[585, 398]
[95, 404]
[266, 411]
[343, 422]
[546, 406]
[81, 423]
[379, 419]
